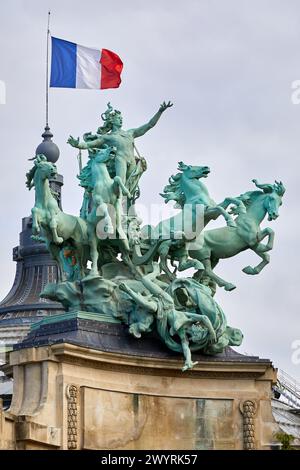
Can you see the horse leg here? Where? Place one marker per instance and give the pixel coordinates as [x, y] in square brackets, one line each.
[221, 282]
[118, 184]
[35, 221]
[267, 232]
[163, 252]
[94, 255]
[229, 220]
[53, 225]
[102, 211]
[85, 205]
[260, 251]
[232, 200]
[214, 212]
[186, 263]
[200, 256]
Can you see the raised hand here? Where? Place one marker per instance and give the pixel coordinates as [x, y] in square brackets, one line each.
[165, 106]
[73, 142]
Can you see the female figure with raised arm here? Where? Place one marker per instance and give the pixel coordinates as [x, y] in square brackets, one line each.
[113, 135]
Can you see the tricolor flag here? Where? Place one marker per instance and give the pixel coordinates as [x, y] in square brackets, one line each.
[75, 66]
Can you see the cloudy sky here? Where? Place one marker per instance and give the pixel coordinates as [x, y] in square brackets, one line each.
[228, 67]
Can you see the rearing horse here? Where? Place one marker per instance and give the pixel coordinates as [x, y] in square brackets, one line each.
[46, 214]
[226, 242]
[104, 193]
[189, 193]
[186, 187]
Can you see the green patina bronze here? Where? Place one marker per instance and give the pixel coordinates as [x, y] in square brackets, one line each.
[115, 270]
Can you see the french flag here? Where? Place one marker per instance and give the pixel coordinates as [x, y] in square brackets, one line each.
[75, 66]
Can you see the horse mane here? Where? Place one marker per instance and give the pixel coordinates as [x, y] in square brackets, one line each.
[30, 174]
[29, 177]
[173, 191]
[85, 176]
[247, 198]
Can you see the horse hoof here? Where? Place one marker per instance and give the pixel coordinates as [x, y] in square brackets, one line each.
[229, 287]
[199, 266]
[249, 270]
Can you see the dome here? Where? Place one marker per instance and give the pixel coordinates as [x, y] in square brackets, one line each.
[47, 147]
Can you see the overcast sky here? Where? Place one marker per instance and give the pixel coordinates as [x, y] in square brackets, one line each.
[228, 67]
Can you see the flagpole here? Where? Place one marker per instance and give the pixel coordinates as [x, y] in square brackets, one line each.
[47, 71]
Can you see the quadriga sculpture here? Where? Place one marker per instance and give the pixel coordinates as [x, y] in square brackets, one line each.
[130, 277]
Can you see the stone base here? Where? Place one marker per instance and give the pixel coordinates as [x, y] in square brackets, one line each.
[132, 394]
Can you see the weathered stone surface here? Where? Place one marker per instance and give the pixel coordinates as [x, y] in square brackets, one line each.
[7, 430]
[71, 397]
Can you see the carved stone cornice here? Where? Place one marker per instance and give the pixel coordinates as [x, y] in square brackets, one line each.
[73, 354]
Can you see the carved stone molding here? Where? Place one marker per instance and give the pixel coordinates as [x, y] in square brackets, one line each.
[72, 392]
[248, 409]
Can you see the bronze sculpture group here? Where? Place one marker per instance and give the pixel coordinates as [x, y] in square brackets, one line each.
[112, 265]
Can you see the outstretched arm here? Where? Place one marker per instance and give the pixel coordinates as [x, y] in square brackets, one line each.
[139, 131]
[85, 145]
[138, 298]
[156, 290]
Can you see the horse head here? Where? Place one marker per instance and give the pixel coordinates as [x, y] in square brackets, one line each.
[104, 154]
[42, 169]
[185, 185]
[193, 172]
[273, 199]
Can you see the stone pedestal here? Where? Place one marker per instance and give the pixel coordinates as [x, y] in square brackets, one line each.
[83, 384]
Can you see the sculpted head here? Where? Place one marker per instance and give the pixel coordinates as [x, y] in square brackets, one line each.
[192, 171]
[116, 119]
[104, 154]
[42, 168]
[112, 119]
[273, 200]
